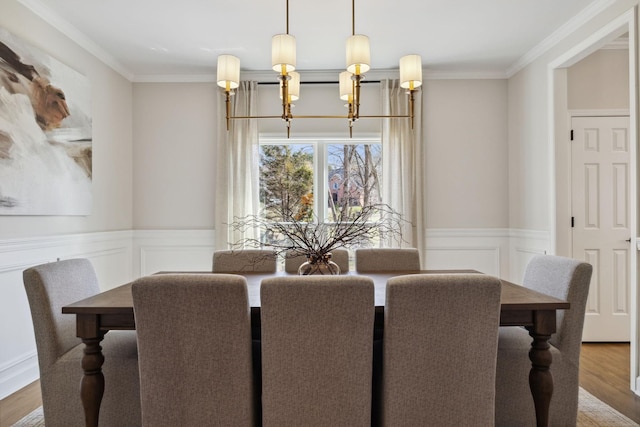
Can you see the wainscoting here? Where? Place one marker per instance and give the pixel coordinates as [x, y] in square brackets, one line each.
[500, 252]
[172, 250]
[121, 256]
[110, 253]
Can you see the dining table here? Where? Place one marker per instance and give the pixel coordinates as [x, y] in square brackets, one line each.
[113, 310]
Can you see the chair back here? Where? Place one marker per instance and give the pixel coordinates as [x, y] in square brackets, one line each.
[387, 259]
[317, 345]
[567, 279]
[246, 260]
[194, 349]
[439, 351]
[292, 261]
[49, 287]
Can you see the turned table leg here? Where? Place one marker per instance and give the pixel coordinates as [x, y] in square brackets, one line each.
[540, 378]
[92, 383]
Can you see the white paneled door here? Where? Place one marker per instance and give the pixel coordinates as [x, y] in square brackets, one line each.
[600, 219]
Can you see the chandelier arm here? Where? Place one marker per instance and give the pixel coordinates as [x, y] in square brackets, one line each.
[391, 116]
[253, 117]
[320, 117]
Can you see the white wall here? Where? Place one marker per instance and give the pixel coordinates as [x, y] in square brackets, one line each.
[467, 173]
[112, 142]
[29, 240]
[466, 139]
[530, 171]
[600, 81]
[538, 137]
[174, 155]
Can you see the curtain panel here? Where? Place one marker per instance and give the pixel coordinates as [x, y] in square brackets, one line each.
[237, 176]
[403, 157]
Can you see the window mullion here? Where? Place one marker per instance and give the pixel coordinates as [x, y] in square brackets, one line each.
[320, 199]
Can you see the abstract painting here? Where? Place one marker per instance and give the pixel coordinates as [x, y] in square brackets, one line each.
[45, 133]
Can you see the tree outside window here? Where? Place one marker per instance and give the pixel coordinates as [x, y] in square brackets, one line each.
[323, 181]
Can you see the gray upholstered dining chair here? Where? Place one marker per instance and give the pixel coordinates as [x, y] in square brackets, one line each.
[194, 341]
[440, 344]
[339, 256]
[370, 260]
[245, 260]
[317, 350]
[49, 287]
[563, 278]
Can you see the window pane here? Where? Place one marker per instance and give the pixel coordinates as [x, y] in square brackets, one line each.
[354, 172]
[346, 178]
[286, 181]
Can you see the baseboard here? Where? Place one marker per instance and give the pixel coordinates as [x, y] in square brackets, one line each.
[17, 373]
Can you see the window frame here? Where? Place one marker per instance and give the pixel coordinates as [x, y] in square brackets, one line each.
[320, 160]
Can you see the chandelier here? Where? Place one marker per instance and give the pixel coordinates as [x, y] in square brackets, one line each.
[283, 61]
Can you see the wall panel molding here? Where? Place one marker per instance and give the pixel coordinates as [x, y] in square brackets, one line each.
[482, 249]
[172, 250]
[111, 254]
[501, 252]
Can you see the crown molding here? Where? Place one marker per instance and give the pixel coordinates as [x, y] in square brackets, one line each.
[53, 19]
[617, 44]
[464, 75]
[570, 26]
[62, 25]
[174, 78]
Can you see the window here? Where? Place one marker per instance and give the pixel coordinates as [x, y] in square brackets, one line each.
[318, 179]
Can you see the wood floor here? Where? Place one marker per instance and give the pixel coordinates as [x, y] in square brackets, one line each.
[19, 404]
[604, 372]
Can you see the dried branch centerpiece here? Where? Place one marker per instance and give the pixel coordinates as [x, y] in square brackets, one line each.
[303, 235]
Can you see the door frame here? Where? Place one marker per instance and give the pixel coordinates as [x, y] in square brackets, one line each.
[559, 121]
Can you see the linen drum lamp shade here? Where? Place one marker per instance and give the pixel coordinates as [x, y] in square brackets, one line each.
[358, 54]
[228, 75]
[283, 53]
[410, 71]
[293, 87]
[346, 86]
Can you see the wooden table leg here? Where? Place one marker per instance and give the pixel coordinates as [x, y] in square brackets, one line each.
[540, 378]
[92, 384]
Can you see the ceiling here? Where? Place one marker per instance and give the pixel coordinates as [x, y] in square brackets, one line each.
[147, 38]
